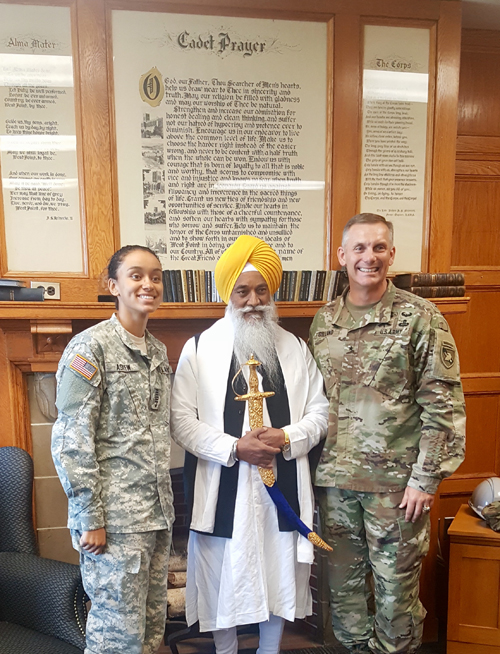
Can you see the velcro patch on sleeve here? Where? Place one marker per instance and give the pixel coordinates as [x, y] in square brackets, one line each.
[83, 366]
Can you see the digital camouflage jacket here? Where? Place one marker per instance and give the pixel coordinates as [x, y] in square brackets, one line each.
[397, 413]
[111, 440]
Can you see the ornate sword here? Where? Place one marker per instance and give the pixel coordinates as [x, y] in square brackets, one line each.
[255, 399]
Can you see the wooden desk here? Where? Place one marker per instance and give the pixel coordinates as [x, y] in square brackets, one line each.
[474, 589]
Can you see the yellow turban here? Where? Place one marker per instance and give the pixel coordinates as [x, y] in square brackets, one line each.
[247, 249]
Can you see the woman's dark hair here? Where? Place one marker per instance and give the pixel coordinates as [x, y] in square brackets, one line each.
[117, 259]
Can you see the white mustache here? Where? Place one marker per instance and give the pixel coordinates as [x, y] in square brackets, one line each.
[259, 307]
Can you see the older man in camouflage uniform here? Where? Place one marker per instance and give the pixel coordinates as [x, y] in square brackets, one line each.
[111, 449]
[396, 428]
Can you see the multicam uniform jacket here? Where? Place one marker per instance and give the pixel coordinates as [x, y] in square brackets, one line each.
[111, 440]
[397, 414]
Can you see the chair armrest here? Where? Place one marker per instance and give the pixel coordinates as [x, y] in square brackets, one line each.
[43, 595]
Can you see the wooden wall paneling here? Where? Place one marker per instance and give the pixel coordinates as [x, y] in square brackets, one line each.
[386, 8]
[476, 228]
[272, 9]
[3, 242]
[476, 234]
[478, 147]
[14, 409]
[346, 125]
[482, 278]
[478, 169]
[426, 244]
[482, 429]
[479, 93]
[330, 249]
[96, 134]
[476, 333]
[445, 130]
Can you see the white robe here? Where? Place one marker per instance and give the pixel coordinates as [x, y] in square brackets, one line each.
[260, 570]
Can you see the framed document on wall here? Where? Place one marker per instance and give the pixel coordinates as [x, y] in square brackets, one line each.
[221, 129]
[38, 160]
[395, 125]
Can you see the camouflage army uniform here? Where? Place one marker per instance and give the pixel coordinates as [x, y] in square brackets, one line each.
[396, 419]
[111, 448]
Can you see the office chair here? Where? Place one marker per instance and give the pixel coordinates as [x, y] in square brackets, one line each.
[42, 602]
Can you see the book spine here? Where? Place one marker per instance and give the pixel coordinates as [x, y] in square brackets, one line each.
[215, 295]
[326, 288]
[21, 294]
[173, 285]
[208, 286]
[298, 284]
[196, 284]
[292, 282]
[286, 284]
[6, 294]
[341, 281]
[189, 292]
[278, 296]
[201, 277]
[10, 283]
[415, 280]
[167, 287]
[438, 291]
[178, 285]
[320, 285]
[304, 285]
[312, 285]
[332, 285]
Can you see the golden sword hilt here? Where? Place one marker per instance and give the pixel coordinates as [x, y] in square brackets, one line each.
[255, 399]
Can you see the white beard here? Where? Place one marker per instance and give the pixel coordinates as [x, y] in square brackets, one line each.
[256, 336]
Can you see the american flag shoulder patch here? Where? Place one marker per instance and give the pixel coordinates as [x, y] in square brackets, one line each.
[83, 366]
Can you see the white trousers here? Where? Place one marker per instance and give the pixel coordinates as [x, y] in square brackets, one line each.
[270, 633]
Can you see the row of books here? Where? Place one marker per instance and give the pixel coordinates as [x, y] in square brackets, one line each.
[296, 286]
[437, 291]
[431, 285]
[311, 285]
[13, 290]
[189, 286]
[416, 280]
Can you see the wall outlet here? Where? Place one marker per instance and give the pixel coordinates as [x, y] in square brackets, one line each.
[52, 289]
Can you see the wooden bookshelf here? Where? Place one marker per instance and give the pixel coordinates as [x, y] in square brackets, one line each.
[54, 310]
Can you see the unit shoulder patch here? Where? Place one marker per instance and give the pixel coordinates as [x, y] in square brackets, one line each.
[447, 354]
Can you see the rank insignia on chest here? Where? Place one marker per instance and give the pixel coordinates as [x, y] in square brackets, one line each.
[155, 399]
[447, 354]
[83, 367]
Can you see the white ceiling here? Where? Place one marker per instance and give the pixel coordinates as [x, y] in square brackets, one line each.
[481, 14]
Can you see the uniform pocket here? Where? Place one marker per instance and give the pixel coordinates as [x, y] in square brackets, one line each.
[414, 542]
[114, 574]
[124, 385]
[388, 372]
[324, 352]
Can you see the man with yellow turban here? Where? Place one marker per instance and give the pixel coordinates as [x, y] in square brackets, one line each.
[246, 564]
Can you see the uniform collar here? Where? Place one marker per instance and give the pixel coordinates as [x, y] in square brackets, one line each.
[152, 348]
[379, 313]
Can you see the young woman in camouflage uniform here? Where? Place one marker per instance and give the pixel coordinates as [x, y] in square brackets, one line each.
[111, 448]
